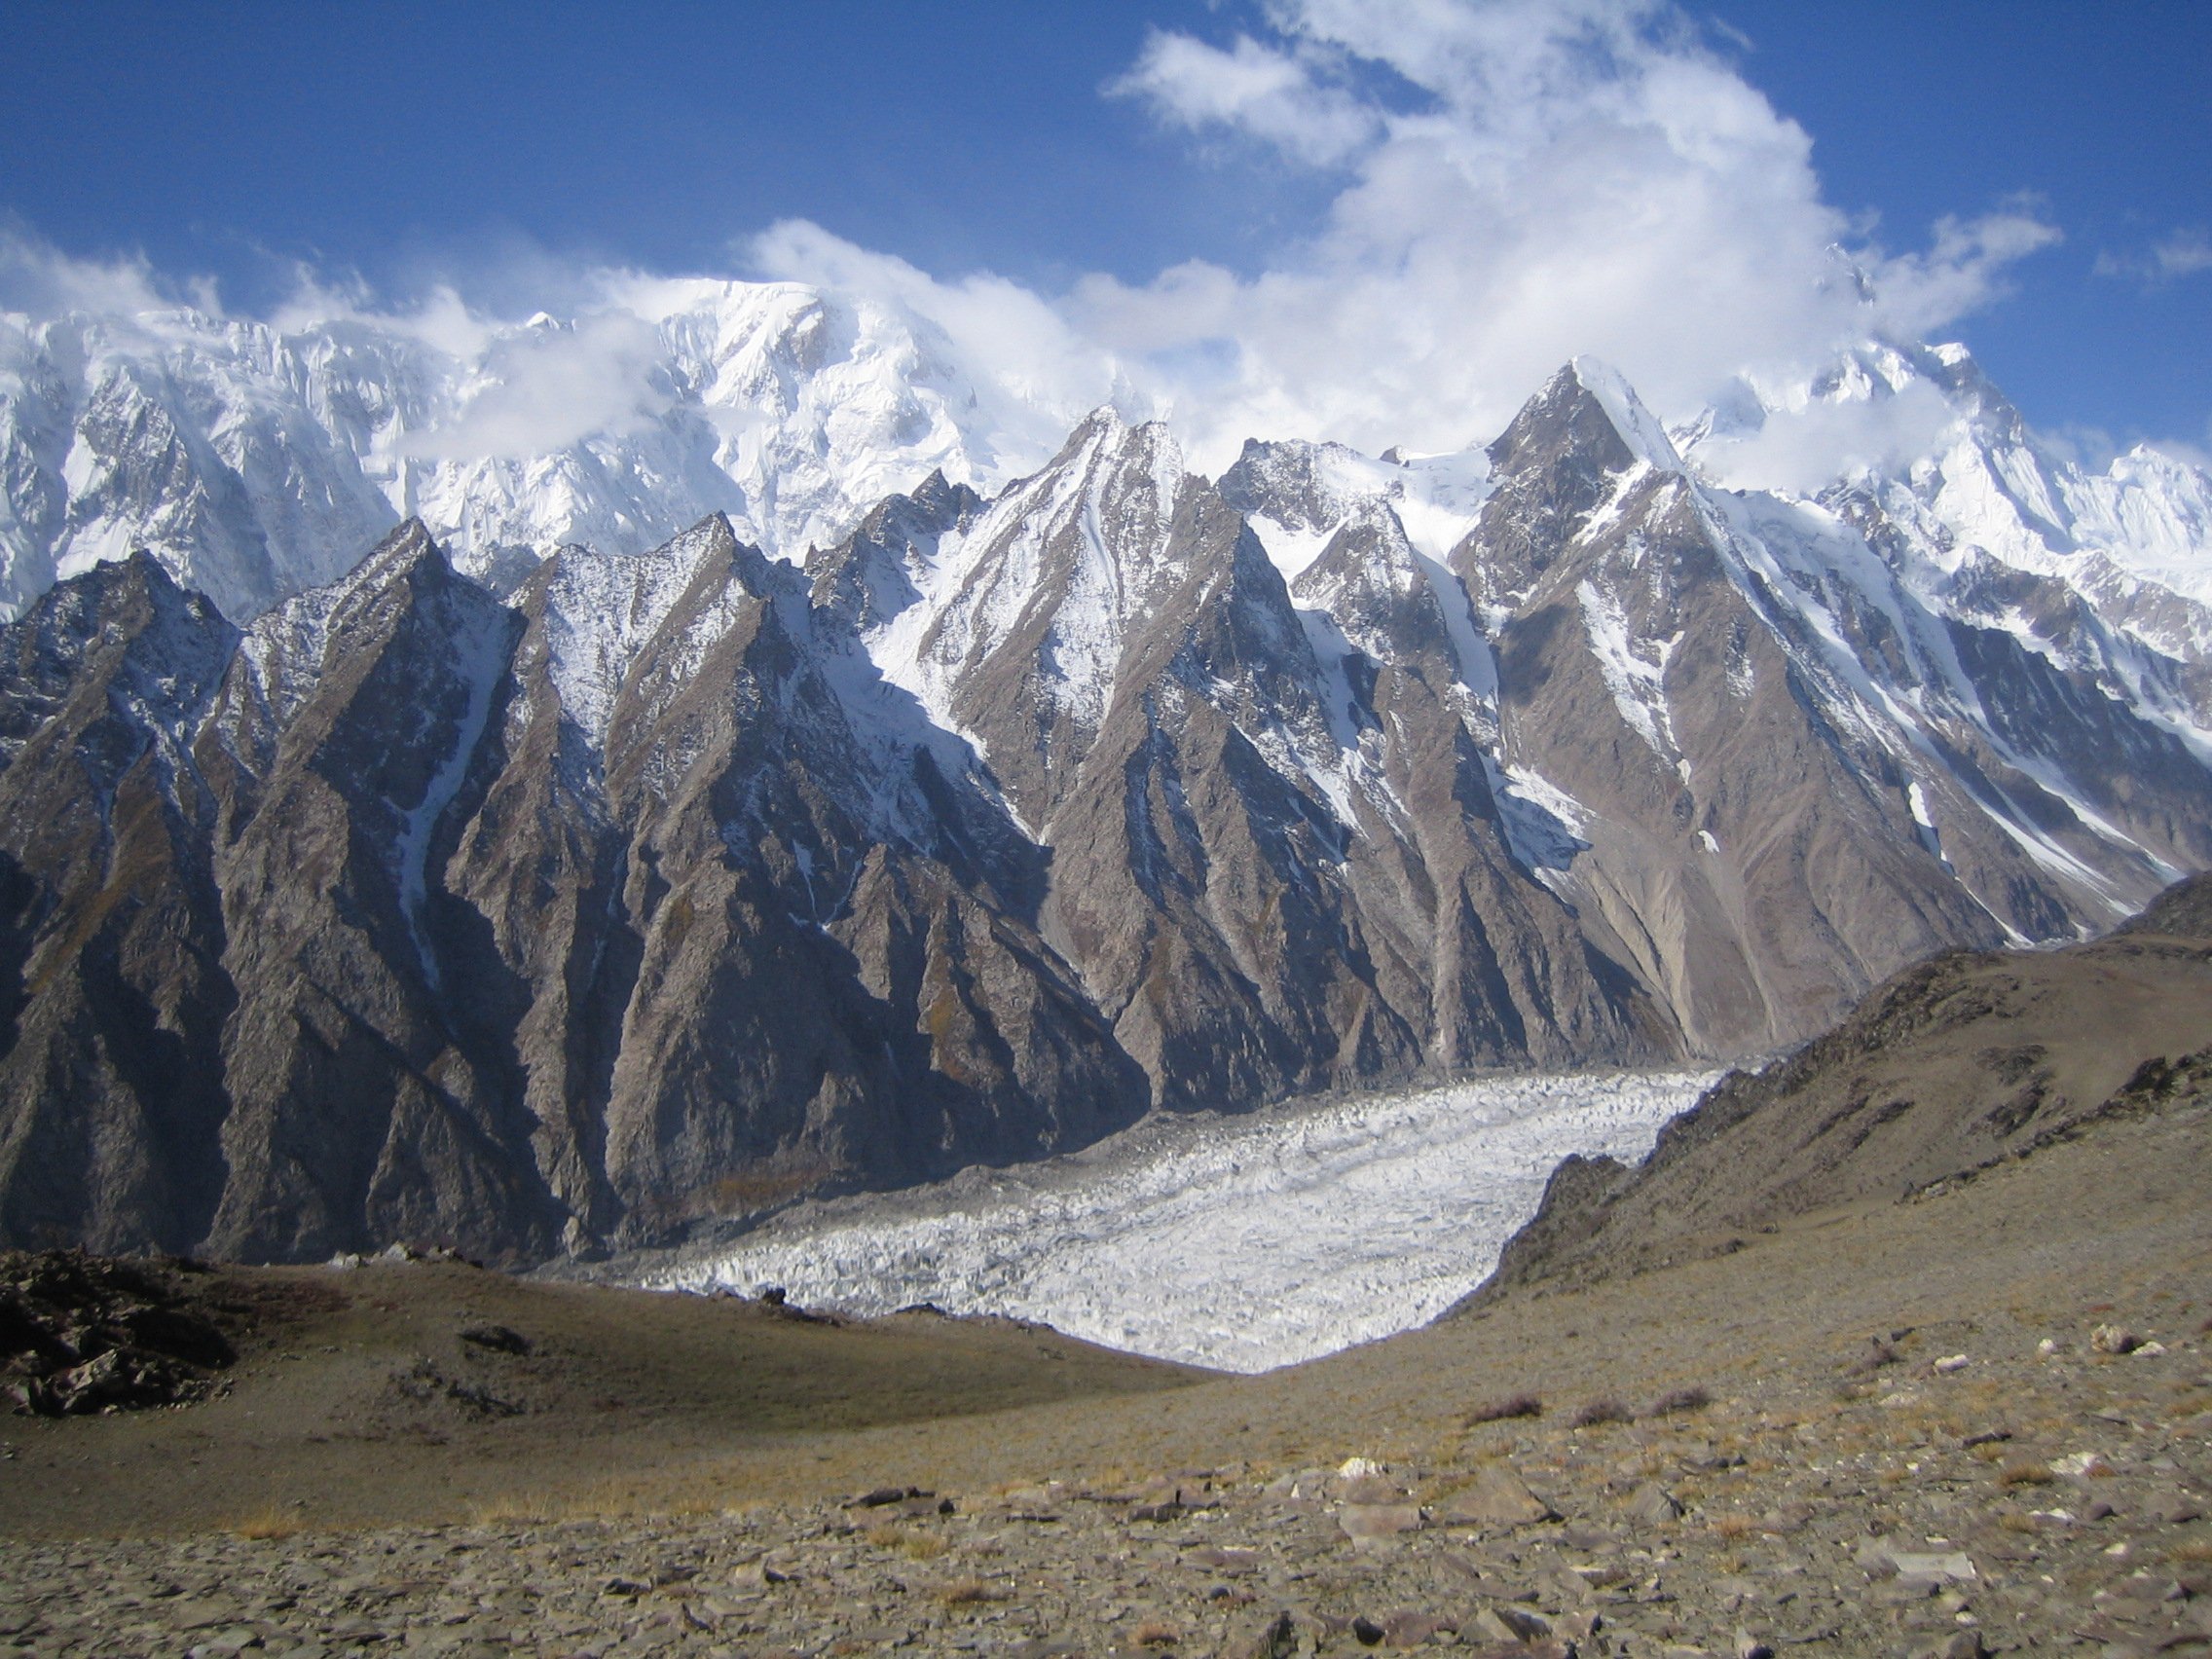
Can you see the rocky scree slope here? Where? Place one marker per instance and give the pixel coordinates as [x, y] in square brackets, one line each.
[644, 887]
[1954, 1066]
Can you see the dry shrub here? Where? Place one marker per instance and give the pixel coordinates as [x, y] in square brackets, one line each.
[1505, 1409]
[1989, 1452]
[1871, 1358]
[2024, 1474]
[1734, 1525]
[2192, 1552]
[1156, 1636]
[1680, 1400]
[1592, 1414]
[2015, 1521]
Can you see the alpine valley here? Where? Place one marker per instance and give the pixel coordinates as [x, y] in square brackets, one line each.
[797, 787]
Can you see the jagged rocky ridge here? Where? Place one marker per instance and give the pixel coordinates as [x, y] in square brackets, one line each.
[627, 889]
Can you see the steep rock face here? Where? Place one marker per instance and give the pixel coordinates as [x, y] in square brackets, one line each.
[1793, 777]
[370, 1095]
[413, 914]
[1276, 861]
[110, 1097]
[835, 973]
[1451, 851]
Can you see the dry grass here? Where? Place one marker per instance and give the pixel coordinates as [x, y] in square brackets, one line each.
[2017, 1521]
[1989, 1452]
[530, 1508]
[968, 1593]
[914, 1546]
[1734, 1525]
[271, 1521]
[1505, 1409]
[1156, 1636]
[2024, 1475]
[2192, 1552]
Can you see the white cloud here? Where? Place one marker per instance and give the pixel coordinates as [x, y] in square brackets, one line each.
[38, 278]
[1805, 449]
[1549, 177]
[2190, 451]
[2187, 252]
[1256, 89]
[440, 319]
[546, 386]
[1015, 350]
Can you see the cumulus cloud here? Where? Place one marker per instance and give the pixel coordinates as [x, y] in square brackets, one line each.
[1249, 88]
[1527, 180]
[2186, 252]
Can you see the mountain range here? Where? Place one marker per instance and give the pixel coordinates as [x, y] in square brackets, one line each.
[767, 794]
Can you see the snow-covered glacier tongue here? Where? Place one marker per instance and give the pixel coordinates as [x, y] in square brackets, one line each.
[1242, 1243]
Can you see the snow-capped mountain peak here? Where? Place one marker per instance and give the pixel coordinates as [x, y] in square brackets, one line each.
[252, 458]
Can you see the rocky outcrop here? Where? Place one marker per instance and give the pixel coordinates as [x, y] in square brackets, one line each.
[83, 1334]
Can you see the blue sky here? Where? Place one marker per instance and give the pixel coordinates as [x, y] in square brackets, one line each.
[501, 147]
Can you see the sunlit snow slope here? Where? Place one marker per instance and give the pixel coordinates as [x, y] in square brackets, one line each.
[1242, 1243]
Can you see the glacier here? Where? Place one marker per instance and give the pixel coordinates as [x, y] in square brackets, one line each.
[1242, 1242]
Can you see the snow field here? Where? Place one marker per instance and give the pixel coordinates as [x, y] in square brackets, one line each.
[1241, 1243]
